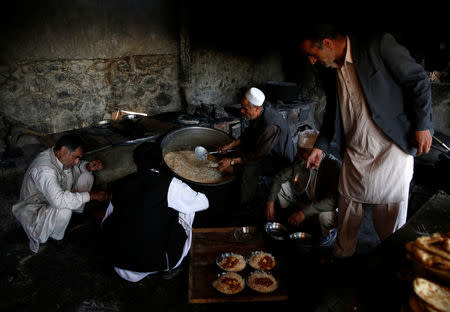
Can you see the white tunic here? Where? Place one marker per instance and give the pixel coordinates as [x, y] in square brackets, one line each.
[46, 189]
[374, 169]
[187, 202]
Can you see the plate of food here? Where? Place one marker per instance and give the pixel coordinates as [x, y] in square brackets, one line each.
[261, 260]
[229, 283]
[262, 282]
[231, 262]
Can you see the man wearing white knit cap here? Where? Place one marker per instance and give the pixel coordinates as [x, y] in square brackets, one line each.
[266, 145]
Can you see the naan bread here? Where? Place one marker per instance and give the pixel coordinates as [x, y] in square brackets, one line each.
[435, 295]
[435, 243]
[418, 305]
[427, 258]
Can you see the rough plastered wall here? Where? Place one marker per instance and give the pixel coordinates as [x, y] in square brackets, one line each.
[66, 65]
[220, 78]
[54, 96]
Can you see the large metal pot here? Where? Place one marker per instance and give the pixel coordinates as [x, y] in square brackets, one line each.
[187, 138]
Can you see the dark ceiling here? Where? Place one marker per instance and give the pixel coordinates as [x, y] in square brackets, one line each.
[254, 27]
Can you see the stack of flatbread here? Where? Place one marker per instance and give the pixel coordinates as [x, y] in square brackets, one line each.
[429, 296]
[432, 253]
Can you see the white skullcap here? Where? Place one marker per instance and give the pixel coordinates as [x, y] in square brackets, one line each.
[307, 138]
[255, 96]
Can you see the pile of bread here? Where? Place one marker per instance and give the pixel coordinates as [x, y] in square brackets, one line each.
[431, 285]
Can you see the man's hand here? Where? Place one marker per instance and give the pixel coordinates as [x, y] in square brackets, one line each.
[296, 218]
[270, 211]
[229, 146]
[94, 165]
[224, 148]
[422, 140]
[224, 164]
[98, 195]
[314, 158]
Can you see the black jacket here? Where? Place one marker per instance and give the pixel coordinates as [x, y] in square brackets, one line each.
[283, 150]
[142, 228]
[396, 88]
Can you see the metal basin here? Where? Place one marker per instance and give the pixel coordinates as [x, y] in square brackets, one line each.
[276, 231]
[187, 138]
[300, 236]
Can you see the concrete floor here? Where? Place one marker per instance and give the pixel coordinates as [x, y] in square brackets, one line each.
[75, 277]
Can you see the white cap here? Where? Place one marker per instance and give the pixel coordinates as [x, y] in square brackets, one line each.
[307, 138]
[255, 96]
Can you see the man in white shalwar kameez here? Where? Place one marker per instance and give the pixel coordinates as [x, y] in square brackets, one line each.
[56, 184]
[380, 115]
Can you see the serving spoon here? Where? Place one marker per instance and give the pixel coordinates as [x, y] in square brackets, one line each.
[202, 153]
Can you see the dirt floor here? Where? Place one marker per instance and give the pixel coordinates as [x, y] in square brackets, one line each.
[75, 276]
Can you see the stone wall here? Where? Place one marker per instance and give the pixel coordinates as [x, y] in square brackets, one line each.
[54, 96]
[221, 78]
[68, 65]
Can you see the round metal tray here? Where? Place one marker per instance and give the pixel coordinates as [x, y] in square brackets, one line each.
[230, 254]
[229, 273]
[265, 274]
[254, 253]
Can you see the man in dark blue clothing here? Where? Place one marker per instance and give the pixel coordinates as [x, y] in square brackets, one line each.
[266, 144]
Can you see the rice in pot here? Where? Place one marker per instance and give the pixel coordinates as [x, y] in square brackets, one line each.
[188, 166]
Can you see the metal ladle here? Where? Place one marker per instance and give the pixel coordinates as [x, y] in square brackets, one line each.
[202, 153]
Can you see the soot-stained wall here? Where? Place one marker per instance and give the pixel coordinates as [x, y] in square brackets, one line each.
[66, 65]
[69, 64]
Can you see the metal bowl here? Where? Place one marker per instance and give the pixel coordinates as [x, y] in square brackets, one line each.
[230, 254]
[300, 236]
[103, 124]
[276, 231]
[245, 234]
[187, 138]
[302, 240]
[131, 117]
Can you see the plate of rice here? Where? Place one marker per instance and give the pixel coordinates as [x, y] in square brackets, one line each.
[262, 282]
[231, 262]
[229, 283]
[261, 260]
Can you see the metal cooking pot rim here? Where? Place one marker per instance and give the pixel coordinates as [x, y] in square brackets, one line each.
[166, 140]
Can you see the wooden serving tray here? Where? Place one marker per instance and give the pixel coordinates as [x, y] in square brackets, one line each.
[207, 245]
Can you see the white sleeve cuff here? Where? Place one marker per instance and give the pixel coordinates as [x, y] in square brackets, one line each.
[184, 199]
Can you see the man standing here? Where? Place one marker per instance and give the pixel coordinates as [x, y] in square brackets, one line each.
[379, 112]
[147, 227]
[266, 145]
[56, 184]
